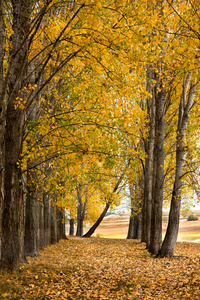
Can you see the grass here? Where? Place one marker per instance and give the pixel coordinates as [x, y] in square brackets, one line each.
[189, 236]
[112, 236]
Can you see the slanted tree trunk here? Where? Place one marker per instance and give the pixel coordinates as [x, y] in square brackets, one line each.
[170, 239]
[96, 224]
[99, 220]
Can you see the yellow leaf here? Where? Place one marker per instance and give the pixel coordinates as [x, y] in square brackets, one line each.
[5, 295]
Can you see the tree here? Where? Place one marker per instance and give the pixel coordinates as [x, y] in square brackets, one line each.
[186, 103]
[109, 201]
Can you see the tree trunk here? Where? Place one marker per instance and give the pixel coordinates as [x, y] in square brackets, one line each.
[22, 257]
[131, 226]
[2, 116]
[63, 236]
[148, 169]
[31, 216]
[159, 155]
[10, 215]
[71, 226]
[80, 210]
[41, 241]
[96, 224]
[170, 239]
[13, 136]
[61, 223]
[137, 228]
[79, 229]
[53, 224]
[47, 220]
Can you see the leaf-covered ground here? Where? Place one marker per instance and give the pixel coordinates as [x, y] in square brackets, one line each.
[105, 269]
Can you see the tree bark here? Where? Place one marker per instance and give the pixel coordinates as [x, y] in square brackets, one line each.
[148, 176]
[159, 155]
[79, 229]
[31, 216]
[41, 240]
[47, 220]
[15, 119]
[148, 169]
[71, 226]
[53, 224]
[131, 226]
[61, 224]
[137, 227]
[2, 116]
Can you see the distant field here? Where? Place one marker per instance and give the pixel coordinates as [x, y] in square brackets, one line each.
[116, 226]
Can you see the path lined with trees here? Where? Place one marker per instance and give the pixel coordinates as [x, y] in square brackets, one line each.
[98, 101]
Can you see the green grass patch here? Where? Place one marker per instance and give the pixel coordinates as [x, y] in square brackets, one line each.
[189, 236]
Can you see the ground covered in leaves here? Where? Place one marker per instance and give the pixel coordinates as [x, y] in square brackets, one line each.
[97, 268]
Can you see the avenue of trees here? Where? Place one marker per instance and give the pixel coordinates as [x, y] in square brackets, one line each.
[97, 99]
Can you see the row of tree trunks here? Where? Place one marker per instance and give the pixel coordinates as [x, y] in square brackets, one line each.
[154, 169]
[186, 103]
[16, 73]
[44, 224]
[136, 195]
[135, 227]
